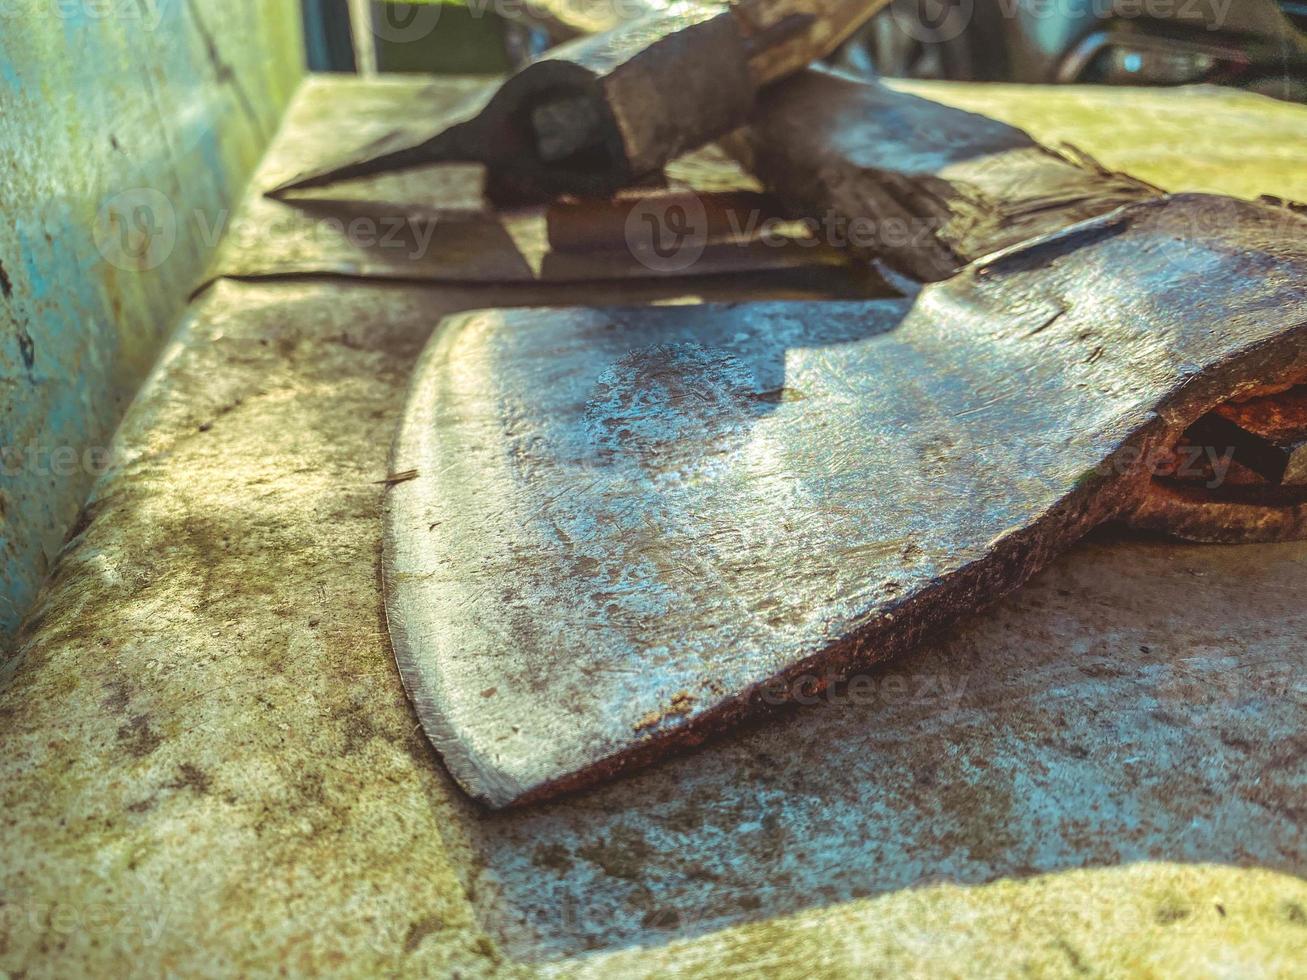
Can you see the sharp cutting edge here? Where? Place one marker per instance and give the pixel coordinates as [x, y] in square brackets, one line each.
[619, 571]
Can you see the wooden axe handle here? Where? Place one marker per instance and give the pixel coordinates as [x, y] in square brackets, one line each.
[923, 187]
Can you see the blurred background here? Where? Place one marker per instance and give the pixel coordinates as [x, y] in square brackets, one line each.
[1259, 45]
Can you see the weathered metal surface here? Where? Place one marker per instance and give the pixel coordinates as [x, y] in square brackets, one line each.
[964, 187]
[631, 527]
[433, 224]
[234, 781]
[107, 109]
[587, 225]
[498, 123]
[596, 113]
[210, 766]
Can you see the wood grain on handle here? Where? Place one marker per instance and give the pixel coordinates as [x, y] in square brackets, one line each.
[921, 186]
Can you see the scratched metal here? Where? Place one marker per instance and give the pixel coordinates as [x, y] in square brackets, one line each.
[1101, 717]
[210, 765]
[631, 527]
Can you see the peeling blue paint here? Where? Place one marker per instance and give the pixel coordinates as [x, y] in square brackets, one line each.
[103, 105]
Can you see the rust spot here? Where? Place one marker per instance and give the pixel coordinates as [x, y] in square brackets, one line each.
[553, 856]
[624, 854]
[777, 396]
[120, 694]
[1170, 912]
[420, 929]
[137, 737]
[6, 285]
[681, 703]
[26, 347]
[661, 918]
[358, 730]
[191, 776]
[417, 748]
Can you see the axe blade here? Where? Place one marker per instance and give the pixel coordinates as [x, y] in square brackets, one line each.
[631, 527]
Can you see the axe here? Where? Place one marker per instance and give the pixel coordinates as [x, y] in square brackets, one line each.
[630, 528]
[605, 110]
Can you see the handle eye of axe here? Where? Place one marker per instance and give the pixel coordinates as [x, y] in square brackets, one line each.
[1236, 474]
[1261, 438]
[565, 126]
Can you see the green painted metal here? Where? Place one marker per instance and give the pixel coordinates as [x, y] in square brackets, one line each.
[127, 129]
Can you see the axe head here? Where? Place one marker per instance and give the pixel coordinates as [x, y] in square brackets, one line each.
[631, 527]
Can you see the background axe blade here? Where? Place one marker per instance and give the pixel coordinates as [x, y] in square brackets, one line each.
[602, 111]
[631, 527]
